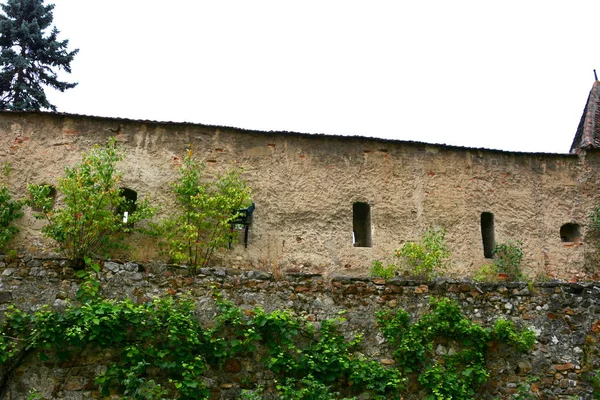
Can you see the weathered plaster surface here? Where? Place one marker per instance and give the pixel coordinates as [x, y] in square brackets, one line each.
[304, 187]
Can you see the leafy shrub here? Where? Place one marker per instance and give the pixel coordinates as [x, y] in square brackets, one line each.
[10, 210]
[207, 208]
[428, 258]
[379, 271]
[87, 223]
[508, 258]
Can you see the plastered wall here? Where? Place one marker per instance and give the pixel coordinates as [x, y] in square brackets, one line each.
[305, 186]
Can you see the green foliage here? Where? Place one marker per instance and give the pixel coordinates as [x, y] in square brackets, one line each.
[252, 394]
[379, 271]
[11, 255]
[164, 351]
[90, 287]
[10, 210]
[207, 208]
[594, 217]
[88, 222]
[34, 395]
[505, 331]
[508, 258]
[420, 348]
[306, 388]
[29, 56]
[487, 273]
[524, 390]
[595, 381]
[6, 169]
[428, 258]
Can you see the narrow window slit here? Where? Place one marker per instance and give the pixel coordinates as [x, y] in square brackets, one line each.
[487, 234]
[361, 225]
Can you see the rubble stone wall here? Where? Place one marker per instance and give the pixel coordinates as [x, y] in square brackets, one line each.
[564, 316]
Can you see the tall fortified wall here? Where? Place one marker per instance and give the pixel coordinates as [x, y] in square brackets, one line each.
[331, 203]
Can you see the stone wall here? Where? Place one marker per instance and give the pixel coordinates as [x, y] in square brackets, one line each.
[305, 187]
[564, 316]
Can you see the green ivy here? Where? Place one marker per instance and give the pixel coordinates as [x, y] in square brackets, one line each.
[162, 350]
[447, 374]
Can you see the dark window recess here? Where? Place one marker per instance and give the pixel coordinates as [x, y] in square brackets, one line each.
[487, 234]
[243, 221]
[128, 206]
[361, 224]
[570, 233]
[51, 195]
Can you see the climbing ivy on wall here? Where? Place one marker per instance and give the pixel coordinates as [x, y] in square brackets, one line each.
[161, 350]
[445, 349]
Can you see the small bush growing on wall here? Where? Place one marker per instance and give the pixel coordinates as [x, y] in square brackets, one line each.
[379, 271]
[10, 210]
[207, 208]
[508, 258]
[428, 258]
[87, 223]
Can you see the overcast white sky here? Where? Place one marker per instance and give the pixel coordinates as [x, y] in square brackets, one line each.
[510, 75]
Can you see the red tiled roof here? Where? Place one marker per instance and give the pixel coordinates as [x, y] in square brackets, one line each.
[588, 131]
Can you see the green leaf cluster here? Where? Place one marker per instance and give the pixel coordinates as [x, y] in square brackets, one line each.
[428, 258]
[508, 258]
[160, 349]
[446, 374]
[378, 270]
[88, 223]
[595, 381]
[206, 210]
[10, 210]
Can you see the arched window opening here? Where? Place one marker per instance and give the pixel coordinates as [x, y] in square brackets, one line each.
[51, 196]
[570, 233]
[128, 206]
[487, 234]
[361, 225]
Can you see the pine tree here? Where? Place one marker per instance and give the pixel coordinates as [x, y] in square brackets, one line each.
[29, 57]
